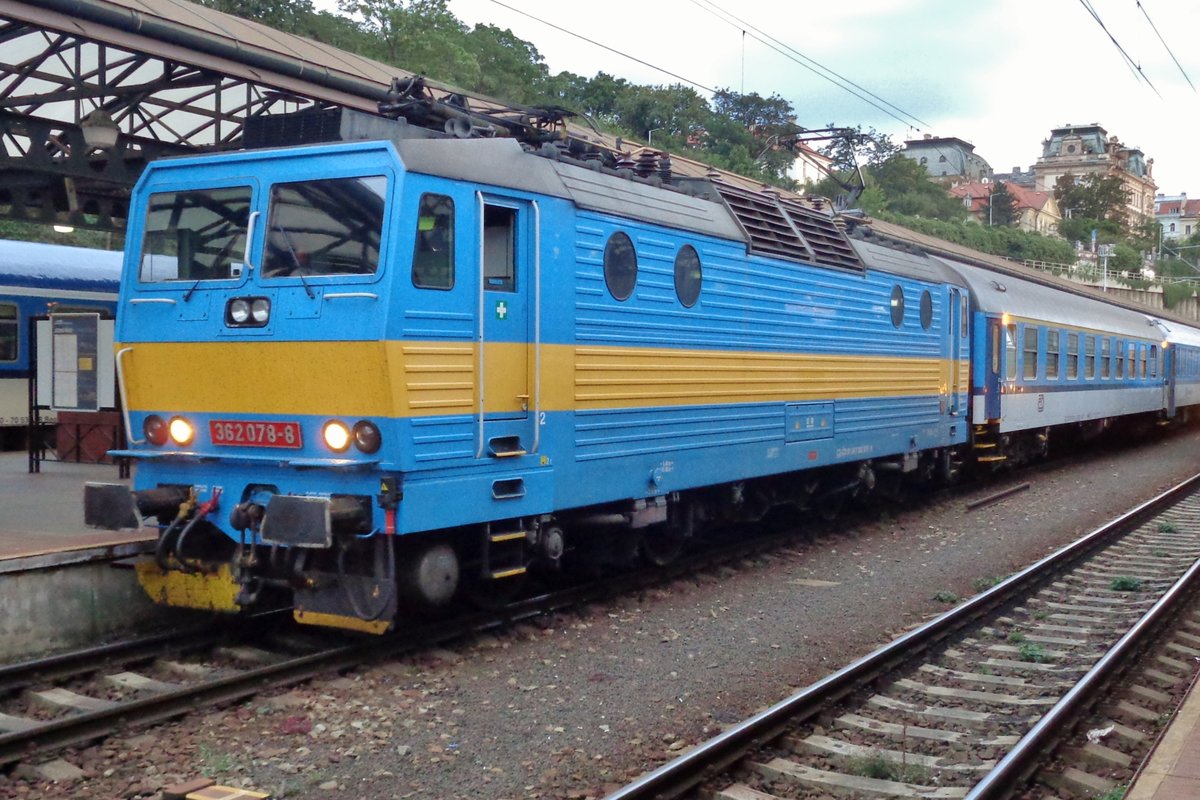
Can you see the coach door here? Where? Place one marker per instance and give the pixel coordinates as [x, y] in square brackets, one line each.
[995, 353]
[957, 323]
[1168, 356]
[507, 321]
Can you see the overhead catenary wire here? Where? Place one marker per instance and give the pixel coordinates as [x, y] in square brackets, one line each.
[747, 30]
[1166, 47]
[1135, 67]
[614, 50]
[812, 65]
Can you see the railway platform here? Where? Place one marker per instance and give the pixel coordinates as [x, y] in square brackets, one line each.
[41, 515]
[58, 584]
[1173, 771]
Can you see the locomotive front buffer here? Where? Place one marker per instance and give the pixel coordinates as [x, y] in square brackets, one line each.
[319, 553]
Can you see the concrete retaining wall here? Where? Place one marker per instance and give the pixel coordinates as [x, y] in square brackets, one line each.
[47, 608]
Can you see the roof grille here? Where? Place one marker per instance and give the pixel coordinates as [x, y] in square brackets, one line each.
[785, 228]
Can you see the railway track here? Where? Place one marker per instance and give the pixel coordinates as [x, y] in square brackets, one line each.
[970, 705]
[82, 696]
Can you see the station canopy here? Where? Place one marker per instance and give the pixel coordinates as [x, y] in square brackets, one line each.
[90, 90]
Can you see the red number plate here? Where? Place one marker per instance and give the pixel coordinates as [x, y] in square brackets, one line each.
[254, 434]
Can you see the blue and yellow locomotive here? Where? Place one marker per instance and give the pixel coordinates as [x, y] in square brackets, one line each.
[366, 371]
[365, 375]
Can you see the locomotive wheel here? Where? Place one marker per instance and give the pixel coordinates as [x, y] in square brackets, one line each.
[830, 508]
[661, 544]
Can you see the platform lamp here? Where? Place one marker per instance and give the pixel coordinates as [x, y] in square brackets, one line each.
[99, 130]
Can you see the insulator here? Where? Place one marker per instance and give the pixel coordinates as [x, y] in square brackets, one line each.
[647, 163]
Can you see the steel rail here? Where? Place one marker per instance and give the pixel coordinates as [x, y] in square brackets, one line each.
[1020, 762]
[14, 677]
[710, 758]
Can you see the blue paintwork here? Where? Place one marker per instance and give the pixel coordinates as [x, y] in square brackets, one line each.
[748, 304]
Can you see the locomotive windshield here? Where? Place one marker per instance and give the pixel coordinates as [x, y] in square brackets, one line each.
[325, 227]
[194, 235]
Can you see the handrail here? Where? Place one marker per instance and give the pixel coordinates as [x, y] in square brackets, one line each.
[537, 326]
[479, 318]
[139, 300]
[254, 215]
[124, 395]
[338, 295]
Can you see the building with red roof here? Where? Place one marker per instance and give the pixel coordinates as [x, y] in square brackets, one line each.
[1037, 212]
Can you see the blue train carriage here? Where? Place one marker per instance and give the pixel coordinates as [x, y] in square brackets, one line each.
[365, 374]
[1181, 348]
[1049, 361]
[35, 279]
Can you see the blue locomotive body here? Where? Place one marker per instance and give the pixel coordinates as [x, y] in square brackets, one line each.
[365, 371]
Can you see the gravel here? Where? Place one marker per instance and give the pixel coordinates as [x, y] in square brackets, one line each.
[574, 705]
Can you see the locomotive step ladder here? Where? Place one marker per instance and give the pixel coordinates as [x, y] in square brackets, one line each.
[986, 449]
[504, 549]
[506, 447]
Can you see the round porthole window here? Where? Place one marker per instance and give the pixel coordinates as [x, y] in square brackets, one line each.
[620, 266]
[897, 306]
[926, 309]
[687, 276]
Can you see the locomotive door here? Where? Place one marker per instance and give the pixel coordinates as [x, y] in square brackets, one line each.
[507, 252]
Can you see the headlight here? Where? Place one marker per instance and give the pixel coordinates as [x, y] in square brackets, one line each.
[155, 429]
[248, 312]
[182, 431]
[260, 309]
[239, 311]
[336, 435]
[367, 437]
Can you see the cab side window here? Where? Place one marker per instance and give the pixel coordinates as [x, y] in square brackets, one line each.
[433, 252]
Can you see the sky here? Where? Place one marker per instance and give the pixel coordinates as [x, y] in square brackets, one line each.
[997, 73]
[1000, 74]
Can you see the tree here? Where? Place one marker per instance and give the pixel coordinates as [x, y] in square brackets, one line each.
[762, 115]
[1097, 197]
[869, 149]
[510, 68]
[675, 110]
[1002, 206]
[289, 16]
[909, 191]
[423, 37]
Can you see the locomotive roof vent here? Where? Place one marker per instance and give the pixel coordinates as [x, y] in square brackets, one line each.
[785, 227]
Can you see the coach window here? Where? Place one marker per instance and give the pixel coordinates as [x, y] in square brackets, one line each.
[687, 276]
[1052, 353]
[1105, 358]
[1119, 357]
[1031, 353]
[1072, 356]
[500, 248]
[9, 332]
[324, 227]
[897, 306]
[194, 235]
[926, 309]
[1153, 361]
[1132, 350]
[620, 266]
[1142, 360]
[433, 253]
[1010, 352]
[1089, 357]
